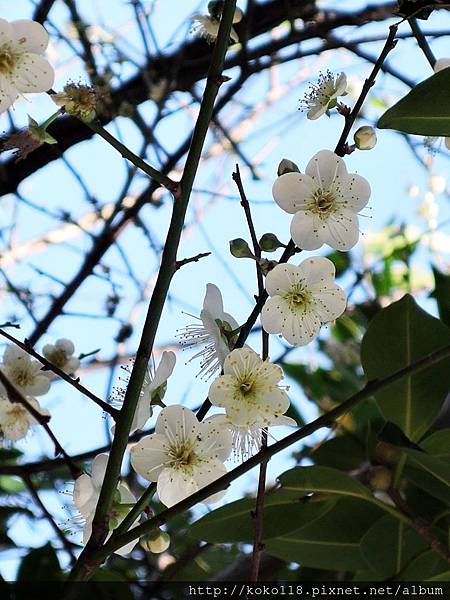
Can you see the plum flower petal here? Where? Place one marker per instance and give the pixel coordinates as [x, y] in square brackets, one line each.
[325, 202]
[301, 300]
[183, 455]
[16, 420]
[23, 69]
[322, 96]
[24, 373]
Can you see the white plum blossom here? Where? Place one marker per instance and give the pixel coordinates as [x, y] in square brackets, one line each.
[183, 455]
[302, 299]
[23, 69]
[209, 332]
[322, 96]
[86, 493]
[207, 26]
[24, 373]
[16, 420]
[60, 354]
[249, 392]
[153, 389]
[325, 202]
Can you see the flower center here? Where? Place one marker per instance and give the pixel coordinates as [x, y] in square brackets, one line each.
[22, 377]
[298, 299]
[246, 387]
[324, 202]
[7, 60]
[182, 455]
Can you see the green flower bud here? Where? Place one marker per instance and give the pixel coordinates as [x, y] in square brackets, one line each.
[287, 166]
[240, 249]
[379, 479]
[269, 243]
[365, 138]
[156, 541]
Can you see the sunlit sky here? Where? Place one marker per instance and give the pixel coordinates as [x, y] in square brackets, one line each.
[278, 132]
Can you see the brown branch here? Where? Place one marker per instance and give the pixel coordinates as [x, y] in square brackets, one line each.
[15, 396]
[51, 367]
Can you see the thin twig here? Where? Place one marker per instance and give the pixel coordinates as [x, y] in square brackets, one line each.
[196, 258]
[15, 396]
[350, 117]
[422, 41]
[51, 367]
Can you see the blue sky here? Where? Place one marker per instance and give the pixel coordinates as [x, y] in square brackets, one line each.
[390, 169]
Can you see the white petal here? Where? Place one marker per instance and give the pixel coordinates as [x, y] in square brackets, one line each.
[273, 314]
[124, 550]
[215, 441]
[84, 497]
[8, 94]
[329, 303]
[177, 422]
[39, 387]
[274, 402]
[316, 111]
[324, 167]
[222, 390]
[283, 421]
[281, 279]
[6, 32]
[33, 74]
[241, 360]
[307, 230]
[208, 473]
[149, 456]
[65, 345]
[173, 486]
[29, 36]
[355, 192]
[301, 331]
[142, 414]
[317, 270]
[213, 302]
[341, 85]
[342, 232]
[13, 353]
[126, 497]
[164, 369]
[291, 191]
[99, 469]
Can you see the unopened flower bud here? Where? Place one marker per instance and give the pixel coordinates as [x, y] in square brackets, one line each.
[365, 138]
[240, 249]
[269, 243]
[387, 453]
[379, 479]
[287, 166]
[156, 541]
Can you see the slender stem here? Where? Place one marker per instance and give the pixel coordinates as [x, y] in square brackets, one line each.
[51, 367]
[142, 503]
[341, 147]
[133, 158]
[326, 420]
[422, 527]
[422, 41]
[248, 215]
[15, 396]
[87, 564]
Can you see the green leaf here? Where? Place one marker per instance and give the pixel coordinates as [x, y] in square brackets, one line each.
[343, 452]
[40, 564]
[235, 522]
[330, 542]
[323, 480]
[429, 474]
[441, 293]
[400, 544]
[438, 444]
[425, 110]
[425, 566]
[399, 335]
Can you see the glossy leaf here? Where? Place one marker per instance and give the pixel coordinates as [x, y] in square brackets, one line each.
[425, 110]
[331, 542]
[441, 293]
[234, 522]
[438, 444]
[400, 544]
[413, 402]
